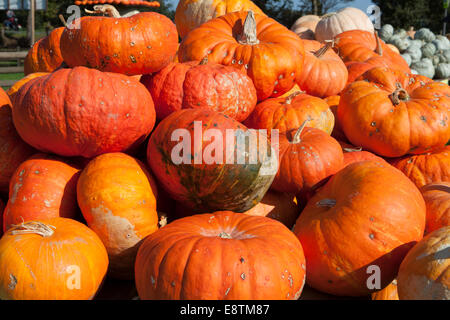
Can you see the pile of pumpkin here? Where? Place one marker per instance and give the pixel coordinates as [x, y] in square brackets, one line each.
[87, 156]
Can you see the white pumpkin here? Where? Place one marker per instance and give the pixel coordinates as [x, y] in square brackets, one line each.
[332, 24]
[309, 22]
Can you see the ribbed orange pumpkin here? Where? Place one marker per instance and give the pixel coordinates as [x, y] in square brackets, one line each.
[45, 55]
[360, 45]
[357, 68]
[394, 113]
[13, 149]
[16, 86]
[117, 197]
[388, 293]
[268, 52]
[207, 169]
[55, 259]
[324, 73]
[353, 221]
[307, 156]
[437, 199]
[424, 273]
[143, 43]
[191, 14]
[337, 133]
[221, 256]
[425, 168]
[352, 155]
[289, 113]
[43, 187]
[83, 112]
[194, 85]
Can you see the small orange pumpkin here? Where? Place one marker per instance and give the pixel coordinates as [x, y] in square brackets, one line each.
[437, 199]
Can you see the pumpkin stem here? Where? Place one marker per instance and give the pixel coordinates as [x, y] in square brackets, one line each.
[292, 96]
[204, 61]
[163, 220]
[379, 48]
[61, 18]
[105, 9]
[399, 95]
[326, 203]
[329, 44]
[352, 149]
[35, 227]
[248, 35]
[296, 138]
[224, 235]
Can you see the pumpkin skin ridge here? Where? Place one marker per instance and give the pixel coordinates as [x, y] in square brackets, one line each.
[234, 248]
[336, 253]
[437, 200]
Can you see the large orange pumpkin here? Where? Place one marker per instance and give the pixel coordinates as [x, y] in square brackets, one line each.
[13, 149]
[268, 52]
[143, 43]
[288, 113]
[337, 133]
[190, 14]
[388, 293]
[324, 73]
[83, 112]
[360, 45]
[307, 156]
[393, 113]
[221, 256]
[117, 197]
[45, 55]
[55, 259]
[42, 187]
[437, 199]
[352, 223]
[207, 169]
[425, 168]
[194, 85]
[16, 86]
[357, 68]
[424, 273]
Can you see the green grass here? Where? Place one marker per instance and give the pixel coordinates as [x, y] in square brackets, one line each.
[11, 76]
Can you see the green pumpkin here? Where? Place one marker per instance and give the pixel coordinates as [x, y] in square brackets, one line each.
[386, 32]
[407, 58]
[415, 53]
[424, 67]
[443, 71]
[401, 33]
[401, 43]
[428, 50]
[416, 43]
[424, 34]
[441, 44]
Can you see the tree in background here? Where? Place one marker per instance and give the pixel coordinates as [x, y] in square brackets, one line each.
[416, 13]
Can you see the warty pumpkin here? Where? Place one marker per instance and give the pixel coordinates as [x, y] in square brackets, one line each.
[393, 113]
[324, 73]
[345, 228]
[83, 112]
[16, 86]
[425, 168]
[268, 52]
[221, 256]
[191, 14]
[13, 149]
[306, 156]
[117, 196]
[202, 85]
[54, 259]
[287, 113]
[437, 200]
[207, 169]
[424, 273]
[45, 55]
[143, 43]
[42, 187]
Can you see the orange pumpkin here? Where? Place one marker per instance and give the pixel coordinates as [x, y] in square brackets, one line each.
[45, 55]
[117, 197]
[289, 113]
[393, 113]
[357, 68]
[13, 149]
[190, 14]
[16, 86]
[424, 273]
[55, 259]
[352, 222]
[425, 168]
[307, 156]
[270, 54]
[42, 187]
[324, 73]
[221, 256]
[337, 133]
[437, 199]
[388, 293]
[352, 155]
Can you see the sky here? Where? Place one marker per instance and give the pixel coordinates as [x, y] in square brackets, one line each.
[360, 4]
